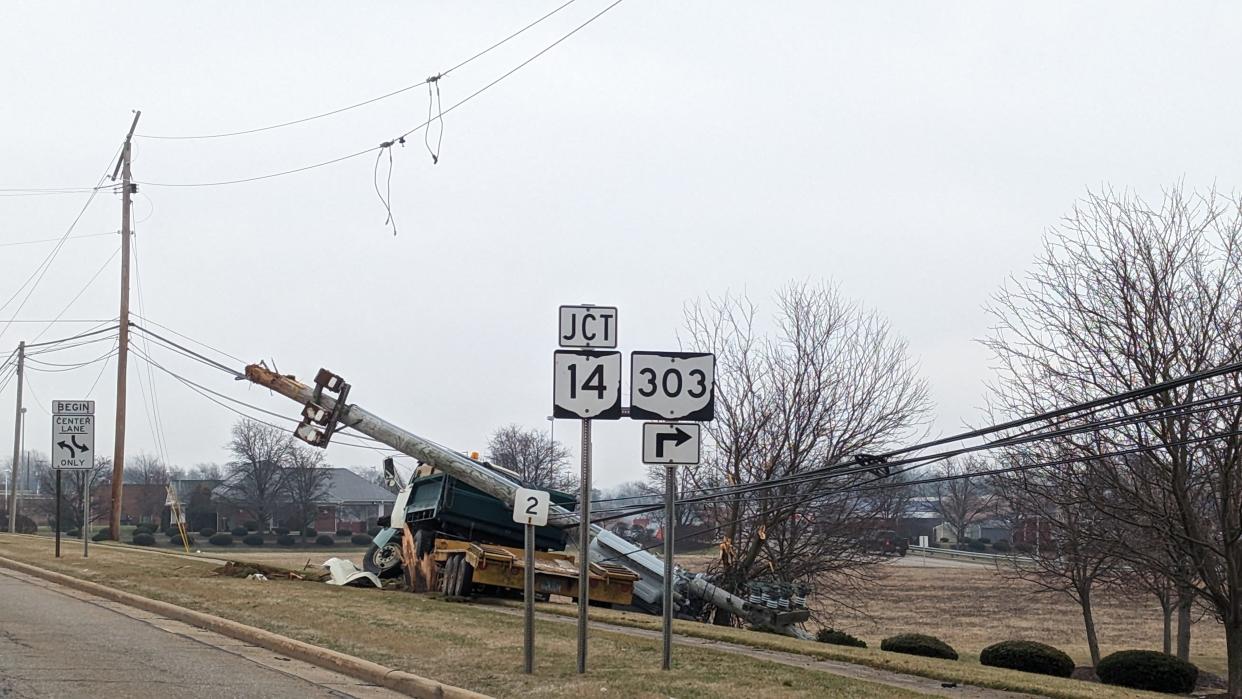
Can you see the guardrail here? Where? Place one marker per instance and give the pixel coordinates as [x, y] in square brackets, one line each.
[932, 552]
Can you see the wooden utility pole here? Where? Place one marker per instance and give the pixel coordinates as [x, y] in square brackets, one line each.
[122, 356]
[17, 431]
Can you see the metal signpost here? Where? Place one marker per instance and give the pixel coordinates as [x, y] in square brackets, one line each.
[530, 507]
[671, 386]
[73, 449]
[586, 384]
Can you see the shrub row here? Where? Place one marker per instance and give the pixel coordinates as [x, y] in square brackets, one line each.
[1135, 669]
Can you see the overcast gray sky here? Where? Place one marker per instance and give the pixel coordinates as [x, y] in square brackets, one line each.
[913, 153]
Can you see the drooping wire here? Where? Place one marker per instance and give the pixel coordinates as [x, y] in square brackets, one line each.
[433, 99]
[385, 96]
[385, 199]
[476, 93]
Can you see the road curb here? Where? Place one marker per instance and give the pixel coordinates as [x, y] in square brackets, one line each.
[396, 680]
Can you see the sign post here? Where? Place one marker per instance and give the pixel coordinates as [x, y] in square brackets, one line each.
[671, 386]
[586, 384]
[73, 449]
[530, 507]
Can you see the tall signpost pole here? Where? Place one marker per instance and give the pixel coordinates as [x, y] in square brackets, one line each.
[530, 508]
[586, 384]
[122, 356]
[17, 430]
[584, 545]
[86, 512]
[670, 520]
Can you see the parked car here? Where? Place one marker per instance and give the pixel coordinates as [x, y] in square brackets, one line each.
[886, 542]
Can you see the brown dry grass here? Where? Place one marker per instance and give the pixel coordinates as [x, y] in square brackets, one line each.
[973, 607]
[460, 644]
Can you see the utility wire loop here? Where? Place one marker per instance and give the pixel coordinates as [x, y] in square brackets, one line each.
[386, 198]
[433, 101]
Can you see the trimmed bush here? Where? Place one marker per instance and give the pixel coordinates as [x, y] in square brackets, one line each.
[324, 540]
[965, 540]
[839, 638]
[943, 539]
[918, 644]
[171, 530]
[74, 533]
[1001, 546]
[285, 540]
[206, 532]
[253, 540]
[344, 532]
[144, 539]
[175, 540]
[251, 525]
[984, 540]
[309, 533]
[977, 546]
[101, 535]
[360, 539]
[1028, 656]
[280, 531]
[374, 531]
[1148, 669]
[238, 531]
[221, 539]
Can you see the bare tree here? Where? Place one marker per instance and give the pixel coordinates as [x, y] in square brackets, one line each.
[1077, 559]
[306, 482]
[830, 382]
[256, 479]
[149, 472]
[962, 502]
[540, 462]
[1126, 295]
[73, 492]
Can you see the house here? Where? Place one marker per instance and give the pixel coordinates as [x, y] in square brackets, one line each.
[993, 530]
[349, 502]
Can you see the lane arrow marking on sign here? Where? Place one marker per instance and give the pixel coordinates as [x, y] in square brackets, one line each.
[63, 445]
[81, 447]
[678, 438]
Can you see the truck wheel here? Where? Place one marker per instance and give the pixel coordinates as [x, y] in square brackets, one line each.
[448, 576]
[384, 561]
[465, 578]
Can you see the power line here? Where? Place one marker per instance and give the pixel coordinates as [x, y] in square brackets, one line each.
[81, 291]
[33, 280]
[89, 333]
[187, 337]
[388, 143]
[53, 240]
[363, 103]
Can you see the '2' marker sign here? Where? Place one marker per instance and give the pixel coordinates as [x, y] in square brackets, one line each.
[531, 507]
[586, 385]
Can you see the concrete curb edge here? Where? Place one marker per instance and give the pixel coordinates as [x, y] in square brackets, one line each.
[396, 680]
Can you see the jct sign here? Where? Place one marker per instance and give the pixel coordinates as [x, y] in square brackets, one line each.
[588, 327]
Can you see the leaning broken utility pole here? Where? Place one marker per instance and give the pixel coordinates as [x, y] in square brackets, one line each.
[322, 414]
[122, 354]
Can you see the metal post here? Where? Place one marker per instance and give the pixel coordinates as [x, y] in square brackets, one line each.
[122, 355]
[17, 428]
[86, 514]
[670, 519]
[584, 545]
[528, 602]
[57, 524]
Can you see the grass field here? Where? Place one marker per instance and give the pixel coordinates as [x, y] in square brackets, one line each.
[973, 607]
[465, 645]
[476, 645]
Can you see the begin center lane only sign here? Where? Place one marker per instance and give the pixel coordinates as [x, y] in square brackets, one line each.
[672, 443]
[73, 434]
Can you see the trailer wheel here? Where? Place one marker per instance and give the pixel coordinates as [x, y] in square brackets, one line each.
[465, 578]
[448, 576]
[384, 561]
[424, 543]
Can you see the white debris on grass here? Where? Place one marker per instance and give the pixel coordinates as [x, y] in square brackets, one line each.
[346, 572]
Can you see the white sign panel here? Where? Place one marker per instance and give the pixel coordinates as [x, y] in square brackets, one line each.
[588, 327]
[531, 507]
[672, 386]
[671, 443]
[586, 384]
[73, 434]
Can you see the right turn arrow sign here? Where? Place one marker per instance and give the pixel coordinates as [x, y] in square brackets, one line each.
[671, 442]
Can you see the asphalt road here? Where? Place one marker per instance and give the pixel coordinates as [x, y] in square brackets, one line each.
[56, 642]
